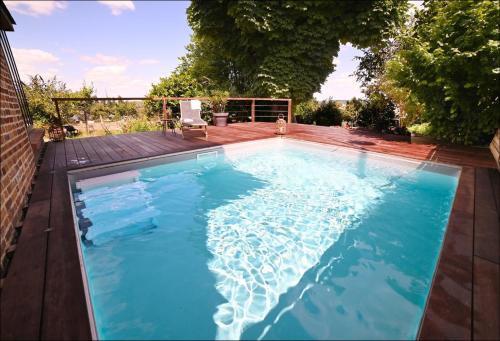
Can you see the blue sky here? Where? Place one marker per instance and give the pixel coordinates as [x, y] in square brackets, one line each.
[121, 46]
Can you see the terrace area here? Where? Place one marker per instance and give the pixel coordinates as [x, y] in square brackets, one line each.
[43, 293]
[344, 221]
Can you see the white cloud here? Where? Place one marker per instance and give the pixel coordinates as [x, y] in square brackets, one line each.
[103, 72]
[111, 75]
[114, 80]
[34, 61]
[148, 61]
[118, 7]
[35, 8]
[339, 86]
[104, 59]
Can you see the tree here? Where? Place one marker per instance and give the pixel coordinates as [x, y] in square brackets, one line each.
[84, 107]
[450, 62]
[181, 83]
[39, 93]
[371, 73]
[410, 109]
[282, 48]
[371, 67]
[324, 113]
[378, 112]
[352, 109]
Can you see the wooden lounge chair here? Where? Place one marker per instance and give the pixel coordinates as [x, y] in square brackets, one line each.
[191, 117]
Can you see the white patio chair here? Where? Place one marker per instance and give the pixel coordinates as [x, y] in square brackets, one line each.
[191, 117]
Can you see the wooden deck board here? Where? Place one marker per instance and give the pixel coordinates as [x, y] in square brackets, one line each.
[43, 293]
[21, 302]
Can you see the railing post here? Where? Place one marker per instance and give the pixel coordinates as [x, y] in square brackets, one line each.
[253, 111]
[59, 118]
[289, 111]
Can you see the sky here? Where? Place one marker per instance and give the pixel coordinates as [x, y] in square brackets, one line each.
[122, 47]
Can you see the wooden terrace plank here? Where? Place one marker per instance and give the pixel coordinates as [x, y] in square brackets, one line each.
[43, 292]
[63, 267]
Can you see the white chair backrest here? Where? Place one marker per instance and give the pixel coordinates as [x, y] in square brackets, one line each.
[187, 110]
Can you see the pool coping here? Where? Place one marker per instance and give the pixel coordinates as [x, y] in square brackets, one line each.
[167, 158]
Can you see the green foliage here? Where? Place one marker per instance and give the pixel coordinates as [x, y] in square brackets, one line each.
[86, 91]
[371, 67]
[218, 100]
[422, 129]
[352, 109]
[378, 112]
[451, 63]
[325, 113]
[39, 93]
[281, 48]
[304, 112]
[113, 110]
[181, 83]
[328, 114]
[138, 124]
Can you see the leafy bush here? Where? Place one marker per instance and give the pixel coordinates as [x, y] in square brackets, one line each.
[352, 109]
[304, 112]
[138, 125]
[377, 113]
[423, 129]
[179, 84]
[451, 63]
[328, 114]
[39, 93]
[325, 113]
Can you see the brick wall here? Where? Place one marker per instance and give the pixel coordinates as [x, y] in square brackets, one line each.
[17, 164]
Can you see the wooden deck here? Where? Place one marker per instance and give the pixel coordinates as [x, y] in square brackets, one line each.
[43, 298]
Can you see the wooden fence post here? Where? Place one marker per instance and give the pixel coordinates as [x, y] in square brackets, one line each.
[289, 111]
[253, 111]
[59, 118]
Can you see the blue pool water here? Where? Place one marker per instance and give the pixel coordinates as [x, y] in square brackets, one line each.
[273, 240]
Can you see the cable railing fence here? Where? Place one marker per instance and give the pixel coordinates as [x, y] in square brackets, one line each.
[114, 118]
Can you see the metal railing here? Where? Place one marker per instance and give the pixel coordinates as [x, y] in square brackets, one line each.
[18, 85]
[240, 109]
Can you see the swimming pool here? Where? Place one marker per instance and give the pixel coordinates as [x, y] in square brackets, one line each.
[276, 239]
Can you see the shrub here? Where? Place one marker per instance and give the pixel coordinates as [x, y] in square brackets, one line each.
[450, 62]
[328, 114]
[325, 113]
[424, 129]
[138, 125]
[304, 112]
[377, 113]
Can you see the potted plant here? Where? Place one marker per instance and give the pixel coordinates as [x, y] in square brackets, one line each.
[218, 101]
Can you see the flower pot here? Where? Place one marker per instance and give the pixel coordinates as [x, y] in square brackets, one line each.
[220, 119]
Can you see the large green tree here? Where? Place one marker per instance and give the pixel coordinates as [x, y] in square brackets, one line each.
[282, 48]
[39, 93]
[181, 83]
[451, 62]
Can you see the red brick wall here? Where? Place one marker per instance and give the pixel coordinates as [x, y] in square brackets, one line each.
[17, 164]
